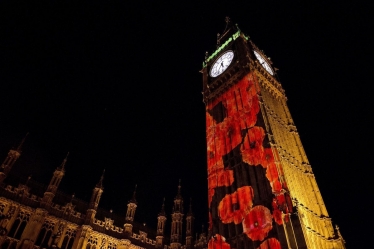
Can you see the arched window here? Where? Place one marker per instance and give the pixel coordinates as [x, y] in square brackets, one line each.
[19, 225]
[2, 207]
[68, 239]
[45, 234]
[112, 245]
[93, 241]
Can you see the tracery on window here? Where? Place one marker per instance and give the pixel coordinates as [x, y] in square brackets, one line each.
[68, 239]
[19, 224]
[112, 245]
[45, 234]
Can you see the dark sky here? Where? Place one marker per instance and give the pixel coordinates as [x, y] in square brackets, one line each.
[117, 84]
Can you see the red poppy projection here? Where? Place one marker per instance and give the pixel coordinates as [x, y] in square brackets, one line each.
[258, 223]
[271, 243]
[218, 242]
[241, 198]
[231, 121]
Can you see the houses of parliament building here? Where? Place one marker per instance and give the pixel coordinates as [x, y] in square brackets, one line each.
[32, 217]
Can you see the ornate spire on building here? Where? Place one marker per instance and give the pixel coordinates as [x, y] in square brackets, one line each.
[9, 161]
[95, 199]
[161, 218]
[189, 227]
[201, 241]
[50, 193]
[130, 214]
[177, 220]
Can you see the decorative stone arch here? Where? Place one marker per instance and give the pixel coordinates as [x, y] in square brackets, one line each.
[45, 234]
[69, 237]
[19, 224]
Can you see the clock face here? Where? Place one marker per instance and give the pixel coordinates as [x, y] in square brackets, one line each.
[264, 63]
[222, 63]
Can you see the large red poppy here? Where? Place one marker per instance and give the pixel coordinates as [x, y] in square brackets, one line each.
[257, 223]
[252, 149]
[218, 242]
[233, 207]
[271, 243]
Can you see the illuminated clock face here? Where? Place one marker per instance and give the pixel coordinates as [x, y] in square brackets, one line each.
[222, 63]
[264, 63]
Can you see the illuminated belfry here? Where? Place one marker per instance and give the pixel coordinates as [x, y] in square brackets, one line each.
[262, 192]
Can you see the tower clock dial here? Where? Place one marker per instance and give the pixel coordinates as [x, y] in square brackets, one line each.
[222, 63]
[263, 63]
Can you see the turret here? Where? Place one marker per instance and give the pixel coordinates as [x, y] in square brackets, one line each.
[94, 202]
[50, 193]
[176, 223]
[201, 241]
[130, 214]
[189, 227]
[161, 218]
[9, 161]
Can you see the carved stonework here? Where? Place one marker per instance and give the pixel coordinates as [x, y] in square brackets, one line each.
[108, 223]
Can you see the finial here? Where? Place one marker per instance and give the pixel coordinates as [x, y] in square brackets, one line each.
[134, 195]
[162, 208]
[28, 179]
[179, 187]
[23, 140]
[227, 20]
[218, 36]
[100, 183]
[190, 211]
[62, 166]
[206, 55]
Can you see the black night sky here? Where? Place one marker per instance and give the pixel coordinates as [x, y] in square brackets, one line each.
[117, 84]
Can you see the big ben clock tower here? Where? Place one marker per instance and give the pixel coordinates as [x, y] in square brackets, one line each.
[262, 192]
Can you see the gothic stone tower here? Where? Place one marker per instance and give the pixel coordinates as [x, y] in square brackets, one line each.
[262, 192]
